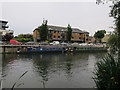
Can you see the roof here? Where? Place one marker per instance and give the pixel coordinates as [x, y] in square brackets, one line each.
[3, 21]
[59, 28]
[105, 38]
[85, 31]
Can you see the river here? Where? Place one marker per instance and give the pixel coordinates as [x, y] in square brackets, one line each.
[50, 70]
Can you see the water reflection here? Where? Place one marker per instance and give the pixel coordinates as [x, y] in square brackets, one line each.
[50, 70]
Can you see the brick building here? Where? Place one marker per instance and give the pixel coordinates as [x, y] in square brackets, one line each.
[57, 33]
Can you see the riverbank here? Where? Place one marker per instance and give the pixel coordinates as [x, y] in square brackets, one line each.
[48, 48]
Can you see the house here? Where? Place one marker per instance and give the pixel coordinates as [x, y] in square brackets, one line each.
[90, 39]
[105, 38]
[93, 39]
[58, 33]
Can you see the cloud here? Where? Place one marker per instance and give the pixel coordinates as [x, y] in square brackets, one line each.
[48, 0]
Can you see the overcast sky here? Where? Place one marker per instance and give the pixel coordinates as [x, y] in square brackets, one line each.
[24, 17]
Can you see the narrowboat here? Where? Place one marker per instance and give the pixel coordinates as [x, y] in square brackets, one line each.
[44, 49]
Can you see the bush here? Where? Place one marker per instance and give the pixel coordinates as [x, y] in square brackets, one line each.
[24, 38]
[107, 73]
[61, 41]
[49, 40]
[46, 41]
[72, 41]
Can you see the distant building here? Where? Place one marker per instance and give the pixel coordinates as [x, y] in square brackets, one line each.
[3, 31]
[93, 39]
[57, 33]
[3, 24]
[90, 39]
[105, 38]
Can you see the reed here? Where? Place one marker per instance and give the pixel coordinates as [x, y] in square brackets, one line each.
[107, 73]
[18, 80]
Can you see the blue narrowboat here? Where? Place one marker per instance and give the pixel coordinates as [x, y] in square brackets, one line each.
[46, 49]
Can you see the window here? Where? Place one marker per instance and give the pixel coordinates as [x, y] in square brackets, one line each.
[76, 33]
[63, 37]
[87, 35]
[80, 33]
[53, 48]
[58, 36]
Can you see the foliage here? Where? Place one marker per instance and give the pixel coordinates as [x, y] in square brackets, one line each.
[99, 34]
[46, 41]
[108, 70]
[107, 73]
[61, 41]
[115, 12]
[105, 1]
[49, 40]
[43, 30]
[112, 41]
[72, 41]
[7, 37]
[20, 35]
[24, 37]
[69, 33]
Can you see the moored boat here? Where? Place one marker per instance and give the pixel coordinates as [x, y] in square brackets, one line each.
[45, 49]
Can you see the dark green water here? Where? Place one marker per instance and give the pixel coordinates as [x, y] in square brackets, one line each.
[50, 70]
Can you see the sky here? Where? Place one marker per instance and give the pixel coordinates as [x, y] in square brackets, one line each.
[23, 17]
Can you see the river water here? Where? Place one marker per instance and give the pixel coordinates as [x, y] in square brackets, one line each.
[49, 70]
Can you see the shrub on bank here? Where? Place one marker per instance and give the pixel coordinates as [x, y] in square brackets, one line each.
[107, 73]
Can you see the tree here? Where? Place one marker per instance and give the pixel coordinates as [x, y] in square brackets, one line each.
[7, 37]
[24, 37]
[43, 30]
[108, 70]
[20, 36]
[112, 41]
[69, 33]
[115, 12]
[99, 34]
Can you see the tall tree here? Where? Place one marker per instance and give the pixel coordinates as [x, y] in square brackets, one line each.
[112, 41]
[69, 33]
[99, 34]
[108, 70]
[115, 12]
[43, 30]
